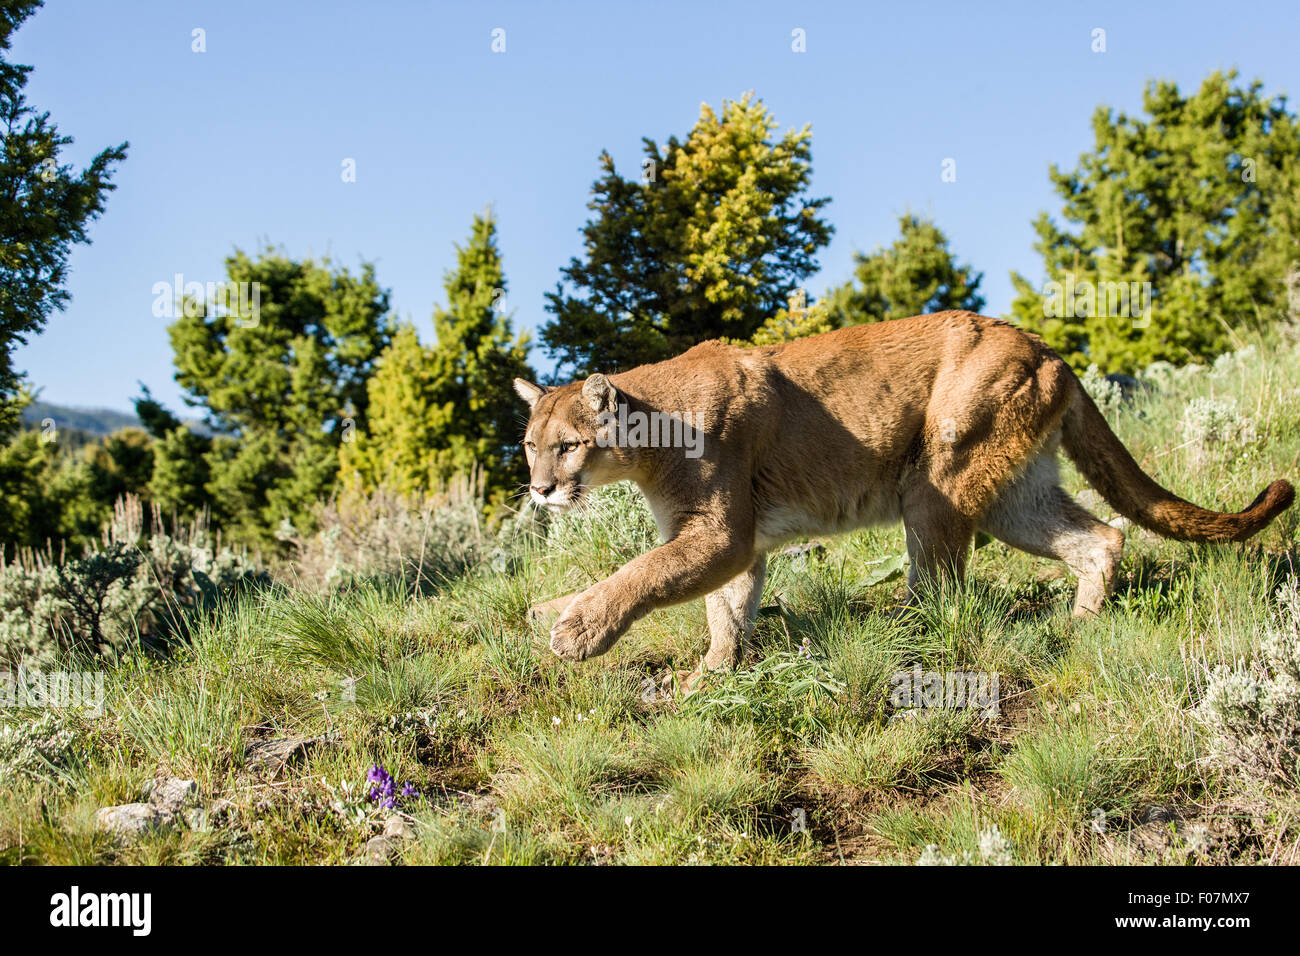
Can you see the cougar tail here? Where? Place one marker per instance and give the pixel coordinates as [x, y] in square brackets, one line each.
[1106, 463]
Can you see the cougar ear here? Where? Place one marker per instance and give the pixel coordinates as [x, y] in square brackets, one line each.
[529, 392]
[600, 394]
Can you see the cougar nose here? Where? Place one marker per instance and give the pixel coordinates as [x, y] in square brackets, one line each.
[544, 492]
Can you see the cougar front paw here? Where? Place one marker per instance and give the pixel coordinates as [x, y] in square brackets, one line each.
[586, 629]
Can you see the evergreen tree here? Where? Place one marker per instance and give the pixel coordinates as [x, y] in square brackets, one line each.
[708, 241]
[181, 466]
[45, 208]
[796, 321]
[57, 493]
[282, 384]
[31, 511]
[442, 411]
[1200, 198]
[917, 274]
[121, 464]
[398, 450]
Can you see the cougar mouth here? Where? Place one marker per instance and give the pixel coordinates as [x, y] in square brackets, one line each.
[571, 501]
[555, 503]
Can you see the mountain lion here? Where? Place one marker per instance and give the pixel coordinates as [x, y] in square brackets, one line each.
[950, 422]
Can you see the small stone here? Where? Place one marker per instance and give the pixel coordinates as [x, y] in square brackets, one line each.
[398, 828]
[380, 848]
[272, 756]
[1089, 499]
[1158, 814]
[173, 794]
[221, 811]
[482, 803]
[813, 549]
[133, 819]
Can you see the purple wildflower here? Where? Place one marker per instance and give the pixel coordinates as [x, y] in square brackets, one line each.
[384, 791]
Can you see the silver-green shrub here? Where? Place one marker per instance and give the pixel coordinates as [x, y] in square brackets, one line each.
[1107, 394]
[140, 583]
[382, 534]
[1252, 711]
[614, 519]
[36, 747]
[994, 850]
[1209, 421]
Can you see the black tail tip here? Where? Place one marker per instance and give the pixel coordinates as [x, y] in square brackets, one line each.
[1275, 498]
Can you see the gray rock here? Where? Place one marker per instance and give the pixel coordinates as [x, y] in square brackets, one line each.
[222, 811]
[1159, 814]
[815, 548]
[133, 819]
[801, 555]
[399, 828]
[173, 794]
[483, 803]
[272, 756]
[1089, 499]
[379, 850]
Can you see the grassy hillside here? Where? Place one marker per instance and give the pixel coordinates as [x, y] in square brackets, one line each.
[1103, 749]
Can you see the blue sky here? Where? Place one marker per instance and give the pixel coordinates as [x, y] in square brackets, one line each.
[243, 144]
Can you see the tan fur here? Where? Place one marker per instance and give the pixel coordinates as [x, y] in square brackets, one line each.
[950, 422]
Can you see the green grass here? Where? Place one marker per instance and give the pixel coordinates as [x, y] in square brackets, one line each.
[1095, 757]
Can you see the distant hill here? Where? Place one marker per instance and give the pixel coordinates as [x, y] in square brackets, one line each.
[93, 421]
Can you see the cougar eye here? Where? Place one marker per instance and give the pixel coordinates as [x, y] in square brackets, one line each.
[567, 446]
[530, 446]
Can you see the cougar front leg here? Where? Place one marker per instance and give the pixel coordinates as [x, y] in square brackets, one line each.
[695, 562]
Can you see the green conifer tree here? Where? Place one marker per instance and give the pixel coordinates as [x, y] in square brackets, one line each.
[916, 275]
[441, 411]
[1195, 205]
[283, 384]
[709, 240]
[45, 208]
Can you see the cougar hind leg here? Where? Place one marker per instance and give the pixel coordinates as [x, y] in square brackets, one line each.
[1036, 515]
[998, 409]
